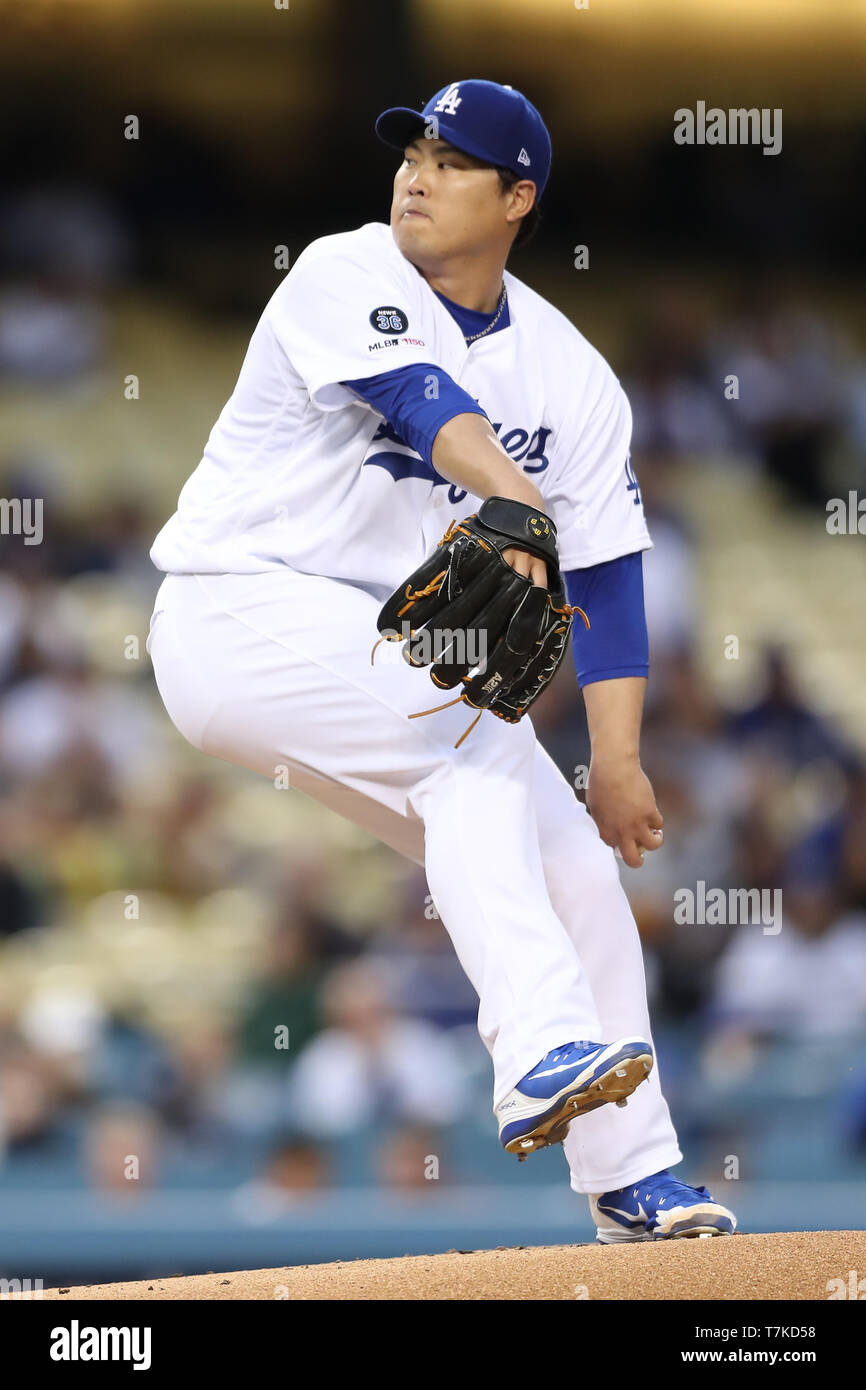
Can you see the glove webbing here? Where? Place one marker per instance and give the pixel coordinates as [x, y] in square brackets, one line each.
[412, 596]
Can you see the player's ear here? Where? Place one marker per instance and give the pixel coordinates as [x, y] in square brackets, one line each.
[523, 194]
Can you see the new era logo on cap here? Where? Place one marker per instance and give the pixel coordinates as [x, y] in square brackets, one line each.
[494, 123]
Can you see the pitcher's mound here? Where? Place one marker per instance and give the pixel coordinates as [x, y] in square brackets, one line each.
[799, 1265]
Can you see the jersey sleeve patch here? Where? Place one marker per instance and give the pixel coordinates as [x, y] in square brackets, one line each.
[389, 319]
[342, 310]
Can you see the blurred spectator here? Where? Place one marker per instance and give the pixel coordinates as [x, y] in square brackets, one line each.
[133, 1064]
[853, 840]
[192, 852]
[282, 1012]
[853, 1108]
[685, 739]
[64, 230]
[296, 1169]
[66, 246]
[809, 980]
[676, 410]
[12, 623]
[301, 899]
[670, 585]
[419, 967]
[788, 362]
[49, 333]
[855, 423]
[372, 1066]
[30, 1098]
[64, 1022]
[20, 906]
[296, 1164]
[700, 782]
[122, 1150]
[67, 708]
[780, 723]
[202, 1105]
[409, 1160]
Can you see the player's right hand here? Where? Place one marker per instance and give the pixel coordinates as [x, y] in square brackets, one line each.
[620, 799]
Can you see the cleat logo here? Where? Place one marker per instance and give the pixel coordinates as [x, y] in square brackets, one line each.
[628, 1216]
[552, 1071]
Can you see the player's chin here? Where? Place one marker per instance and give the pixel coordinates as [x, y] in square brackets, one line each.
[413, 230]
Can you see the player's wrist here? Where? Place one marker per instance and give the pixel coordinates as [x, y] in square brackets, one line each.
[520, 490]
[615, 755]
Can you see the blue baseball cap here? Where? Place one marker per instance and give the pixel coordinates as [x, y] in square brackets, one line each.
[493, 123]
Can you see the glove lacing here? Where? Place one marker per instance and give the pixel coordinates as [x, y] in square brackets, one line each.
[412, 597]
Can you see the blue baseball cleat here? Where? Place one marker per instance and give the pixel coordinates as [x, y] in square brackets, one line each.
[659, 1207]
[568, 1082]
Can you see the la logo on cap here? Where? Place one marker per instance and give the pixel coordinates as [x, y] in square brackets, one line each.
[450, 101]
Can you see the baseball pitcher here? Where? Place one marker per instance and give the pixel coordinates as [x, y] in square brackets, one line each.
[420, 486]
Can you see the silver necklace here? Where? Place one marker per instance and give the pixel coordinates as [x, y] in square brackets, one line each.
[472, 336]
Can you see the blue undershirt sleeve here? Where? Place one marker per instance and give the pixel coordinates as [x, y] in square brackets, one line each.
[403, 398]
[616, 643]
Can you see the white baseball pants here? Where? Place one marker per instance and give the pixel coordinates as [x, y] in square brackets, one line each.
[274, 669]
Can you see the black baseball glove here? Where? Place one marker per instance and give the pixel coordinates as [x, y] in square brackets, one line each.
[467, 614]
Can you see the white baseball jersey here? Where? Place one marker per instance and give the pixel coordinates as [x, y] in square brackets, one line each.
[298, 471]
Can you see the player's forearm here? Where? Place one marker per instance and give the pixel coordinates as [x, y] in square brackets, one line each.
[614, 710]
[467, 453]
[619, 796]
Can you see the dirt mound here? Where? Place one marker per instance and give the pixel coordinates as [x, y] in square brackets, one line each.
[796, 1265]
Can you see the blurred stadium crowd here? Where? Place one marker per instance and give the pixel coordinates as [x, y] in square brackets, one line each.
[202, 974]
